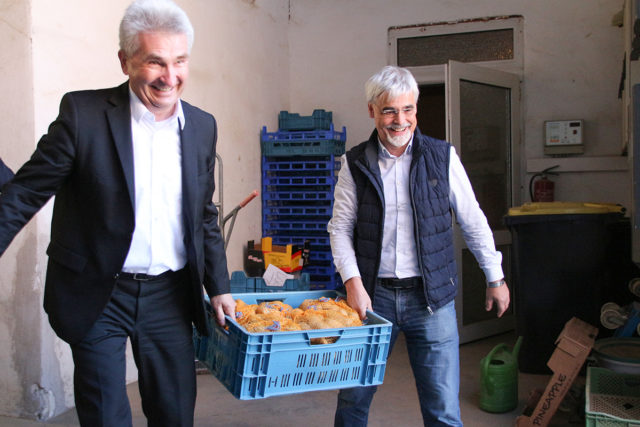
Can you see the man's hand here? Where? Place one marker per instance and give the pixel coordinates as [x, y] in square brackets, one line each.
[223, 304]
[499, 296]
[357, 296]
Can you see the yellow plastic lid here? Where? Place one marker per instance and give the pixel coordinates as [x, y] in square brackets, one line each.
[558, 208]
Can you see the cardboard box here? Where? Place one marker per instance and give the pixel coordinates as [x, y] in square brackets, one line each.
[289, 258]
[572, 348]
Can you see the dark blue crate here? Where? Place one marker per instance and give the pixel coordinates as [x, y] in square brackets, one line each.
[275, 212]
[319, 282]
[316, 256]
[318, 270]
[287, 238]
[259, 365]
[296, 225]
[323, 165]
[296, 196]
[299, 180]
[319, 119]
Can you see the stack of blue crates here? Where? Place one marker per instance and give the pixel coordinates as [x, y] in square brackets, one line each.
[300, 164]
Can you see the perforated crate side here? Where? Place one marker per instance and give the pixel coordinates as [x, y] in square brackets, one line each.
[612, 398]
[308, 135]
[296, 165]
[303, 148]
[254, 366]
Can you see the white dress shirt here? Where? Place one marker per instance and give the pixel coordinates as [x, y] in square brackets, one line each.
[399, 255]
[157, 244]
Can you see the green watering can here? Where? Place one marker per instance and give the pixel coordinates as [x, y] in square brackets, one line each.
[499, 379]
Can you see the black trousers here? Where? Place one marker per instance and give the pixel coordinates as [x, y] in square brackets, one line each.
[156, 316]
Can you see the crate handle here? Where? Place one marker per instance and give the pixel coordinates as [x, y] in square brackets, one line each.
[323, 338]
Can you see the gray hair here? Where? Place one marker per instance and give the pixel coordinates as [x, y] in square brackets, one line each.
[144, 16]
[393, 81]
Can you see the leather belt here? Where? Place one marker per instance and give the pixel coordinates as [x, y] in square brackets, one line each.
[406, 283]
[141, 277]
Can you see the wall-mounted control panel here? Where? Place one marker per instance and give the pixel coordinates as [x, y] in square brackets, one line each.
[563, 137]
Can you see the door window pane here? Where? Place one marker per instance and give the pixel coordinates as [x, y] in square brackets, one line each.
[485, 145]
[474, 46]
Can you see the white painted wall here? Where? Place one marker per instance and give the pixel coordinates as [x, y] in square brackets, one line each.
[239, 72]
[249, 62]
[572, 66]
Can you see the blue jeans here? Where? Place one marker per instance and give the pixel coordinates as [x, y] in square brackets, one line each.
[432, 344]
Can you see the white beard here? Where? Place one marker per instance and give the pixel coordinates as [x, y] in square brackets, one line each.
[400, 140]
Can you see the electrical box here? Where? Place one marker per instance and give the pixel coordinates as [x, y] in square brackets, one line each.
[563, 137]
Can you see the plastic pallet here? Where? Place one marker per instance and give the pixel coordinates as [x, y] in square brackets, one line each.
[259, 365]
[240, 283]
[319, 119]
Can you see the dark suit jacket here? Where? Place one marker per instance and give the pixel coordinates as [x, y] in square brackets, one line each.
[5, 174]
[86, 161]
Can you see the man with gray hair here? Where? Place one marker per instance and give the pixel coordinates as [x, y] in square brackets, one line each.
[134, 233]
[392, 243]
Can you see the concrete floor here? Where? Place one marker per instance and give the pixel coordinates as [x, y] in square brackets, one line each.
[395, 402]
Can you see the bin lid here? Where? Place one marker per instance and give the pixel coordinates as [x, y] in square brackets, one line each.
[558, 208]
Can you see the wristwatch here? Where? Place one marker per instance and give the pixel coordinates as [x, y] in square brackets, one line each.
[496, 284]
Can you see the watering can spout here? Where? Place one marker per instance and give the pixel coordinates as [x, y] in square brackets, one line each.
[516, 348]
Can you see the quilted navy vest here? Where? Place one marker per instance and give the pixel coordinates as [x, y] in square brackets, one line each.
[429, 182]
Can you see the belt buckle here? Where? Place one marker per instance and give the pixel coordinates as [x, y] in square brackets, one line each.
[142, 277]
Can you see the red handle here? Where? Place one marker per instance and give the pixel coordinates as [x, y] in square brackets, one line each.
[249, 198]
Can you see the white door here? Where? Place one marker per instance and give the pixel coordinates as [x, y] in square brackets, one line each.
[483, 111]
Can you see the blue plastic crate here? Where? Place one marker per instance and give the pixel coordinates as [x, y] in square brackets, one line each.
[302, 148]
[326, 282]
[296, 225]
[286, 238]
[303, 143]
[259, 365]
[294, 165]
[275, 212]
[299, 180]
[319, 119]
[239, 281]
[296, 196]
[310, 135]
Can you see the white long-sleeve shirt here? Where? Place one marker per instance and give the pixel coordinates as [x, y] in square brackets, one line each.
[157, 244]
[399, 255]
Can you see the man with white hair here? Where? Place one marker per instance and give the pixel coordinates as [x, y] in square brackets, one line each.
[392, 243]
[134, 233]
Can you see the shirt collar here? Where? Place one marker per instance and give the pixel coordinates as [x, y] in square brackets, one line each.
[385, 153]
[139, 110]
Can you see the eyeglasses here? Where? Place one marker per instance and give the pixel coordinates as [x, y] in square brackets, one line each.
[391, 112]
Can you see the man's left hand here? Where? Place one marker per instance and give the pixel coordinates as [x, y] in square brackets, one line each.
[498, 296]
[223, 304]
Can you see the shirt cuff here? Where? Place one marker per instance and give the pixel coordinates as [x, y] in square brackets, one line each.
[493, 274]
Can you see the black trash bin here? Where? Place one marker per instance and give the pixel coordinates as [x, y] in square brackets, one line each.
[559, 271]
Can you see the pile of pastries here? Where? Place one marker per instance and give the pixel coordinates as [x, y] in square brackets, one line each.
[276, 316]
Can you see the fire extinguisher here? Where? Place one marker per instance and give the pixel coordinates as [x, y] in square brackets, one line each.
[542, 189]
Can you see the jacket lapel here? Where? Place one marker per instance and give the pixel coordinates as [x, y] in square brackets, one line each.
[189, 170]
[119, 118]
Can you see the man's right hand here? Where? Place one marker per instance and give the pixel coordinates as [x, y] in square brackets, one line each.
[357, 296]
